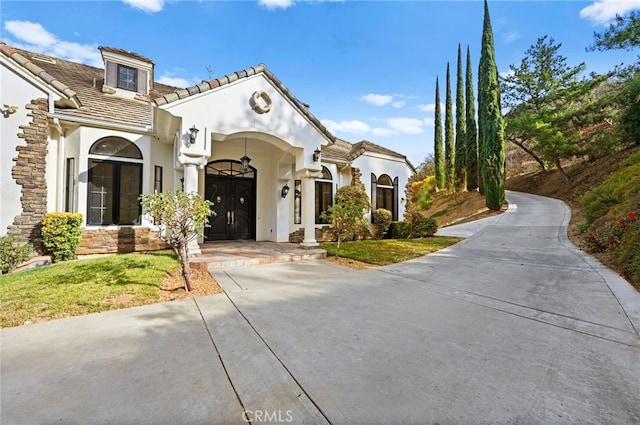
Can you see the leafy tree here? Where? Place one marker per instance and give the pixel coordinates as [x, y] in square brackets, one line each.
[461, 128]
[347, 214]
[437, 148]
[181, 217]
[449, 147]
[491, 152]
[623, 34]
[549, 104]
[471, 131]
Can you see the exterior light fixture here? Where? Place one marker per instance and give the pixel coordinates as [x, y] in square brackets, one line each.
[285, 190]
[316, 155]
[193, 133]
[245, 159]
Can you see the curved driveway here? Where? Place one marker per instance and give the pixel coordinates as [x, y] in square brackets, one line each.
[514, 325]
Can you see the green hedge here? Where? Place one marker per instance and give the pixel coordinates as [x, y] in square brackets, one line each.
[425, 227]
[381, 221]
[13, 252]
[399, 230]
[61, 235]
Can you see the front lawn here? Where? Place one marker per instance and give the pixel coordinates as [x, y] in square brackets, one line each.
[388, 251]
[79, 287]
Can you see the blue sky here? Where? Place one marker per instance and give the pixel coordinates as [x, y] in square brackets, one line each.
[367, 68]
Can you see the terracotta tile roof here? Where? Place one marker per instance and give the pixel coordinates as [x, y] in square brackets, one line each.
[83, 84]
[245, 73]
[345, 151]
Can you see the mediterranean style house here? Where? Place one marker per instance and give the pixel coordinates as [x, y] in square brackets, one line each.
[92, 140]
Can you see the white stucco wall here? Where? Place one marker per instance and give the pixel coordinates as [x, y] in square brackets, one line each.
[379, 164]
[16, 90]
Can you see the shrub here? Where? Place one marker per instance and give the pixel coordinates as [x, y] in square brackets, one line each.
[619, 191]
[399, 230]
[347, 214]
[425, 227]
[13, 252]
[61, 235]
[381, 221]
[627, 253]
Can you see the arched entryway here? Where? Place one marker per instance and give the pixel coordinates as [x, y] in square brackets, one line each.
[232, 190]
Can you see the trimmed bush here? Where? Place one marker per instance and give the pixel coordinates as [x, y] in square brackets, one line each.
[12, 253]
[381, 221]
[399, 230]
[425, 227]
[61, 235]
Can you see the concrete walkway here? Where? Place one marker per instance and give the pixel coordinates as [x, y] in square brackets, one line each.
[513, 325]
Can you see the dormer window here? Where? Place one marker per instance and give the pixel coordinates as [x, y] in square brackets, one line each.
[126, 74]
[127, 78]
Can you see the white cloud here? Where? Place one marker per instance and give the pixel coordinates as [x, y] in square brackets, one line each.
[377, 99]
[356, 127]
[30, 32]
[382, 132]
[604, 11]
[406, 125]
[398, 103]
[151, 6]
[428, 121]
[276, 4]
[170, 80]
[429, 107]
[512, 36]
[32, 36]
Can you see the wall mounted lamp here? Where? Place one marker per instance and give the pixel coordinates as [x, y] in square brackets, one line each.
[316, 155]
[285, 190]
[193, 133]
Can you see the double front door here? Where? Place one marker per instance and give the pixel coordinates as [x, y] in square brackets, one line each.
[233, 206]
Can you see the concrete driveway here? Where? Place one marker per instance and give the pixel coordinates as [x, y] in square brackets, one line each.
[514, 325]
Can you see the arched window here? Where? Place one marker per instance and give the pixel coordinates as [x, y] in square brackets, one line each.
[384, 192]
[324, 194]
[114, 185]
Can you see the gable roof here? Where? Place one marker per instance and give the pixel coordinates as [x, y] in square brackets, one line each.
[82, 86]
[345, 151]
[205, 86]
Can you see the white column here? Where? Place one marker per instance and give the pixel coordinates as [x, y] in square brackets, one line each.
[308, 212]
[190, 166]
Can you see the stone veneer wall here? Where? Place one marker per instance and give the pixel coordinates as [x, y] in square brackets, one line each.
[124, 239]
[29, 172]
[323, 234]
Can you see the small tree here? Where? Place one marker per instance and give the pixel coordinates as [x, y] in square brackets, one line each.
[181, 217]
[347, 214]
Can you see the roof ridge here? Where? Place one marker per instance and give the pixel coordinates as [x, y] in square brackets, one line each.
[34, 69]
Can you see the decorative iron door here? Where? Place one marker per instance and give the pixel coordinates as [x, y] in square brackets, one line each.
[233, 206]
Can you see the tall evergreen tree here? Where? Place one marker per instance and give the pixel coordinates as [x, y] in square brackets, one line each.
[461, 129]
[449, 148]
[438, 159]
[491, 152]
[471, 133]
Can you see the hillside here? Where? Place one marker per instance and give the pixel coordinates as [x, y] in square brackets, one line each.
[584, 176]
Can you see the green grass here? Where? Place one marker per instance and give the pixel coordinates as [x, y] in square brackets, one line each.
[388, 251]
[75, 288]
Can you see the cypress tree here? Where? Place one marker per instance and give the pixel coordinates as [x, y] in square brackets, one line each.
[461, 129]
[471, 129]
[449, 148]
[491, 152]
[437, 148]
